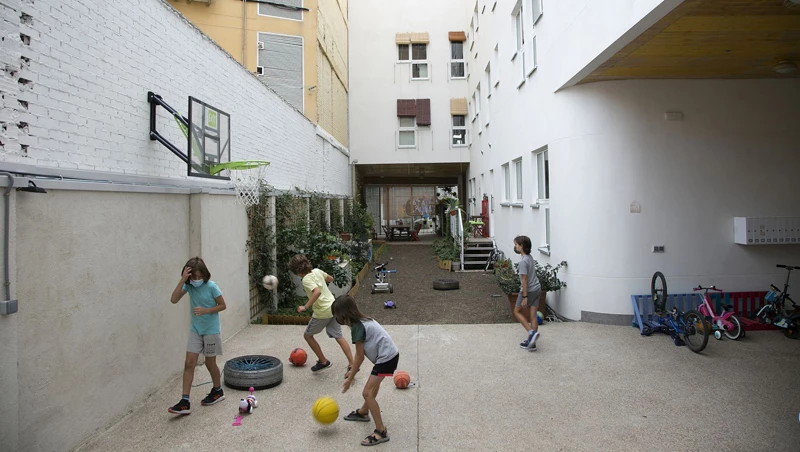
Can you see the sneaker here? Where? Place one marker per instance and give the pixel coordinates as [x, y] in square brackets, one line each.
[532, 339]
[182, 407]
[523, 344]
[319, 366]
[533, 348]
[213, 397]
[356, 416]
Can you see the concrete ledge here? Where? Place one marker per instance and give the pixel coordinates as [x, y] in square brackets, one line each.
[606, 319]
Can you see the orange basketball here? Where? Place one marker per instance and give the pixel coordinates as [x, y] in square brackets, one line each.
[401, 379]
[298, 357]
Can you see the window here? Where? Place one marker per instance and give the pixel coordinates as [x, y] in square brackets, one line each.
[403, 52]
[475, 17]
[495, 62]
[457, 63]
[280, 66]
[459, 130]
[290, 11]
[407, 137]
[474, 108]
[417, 55]
[478, 101]
[518, 179]
[507, 184]
[536, 10]
[545, 248]
[489, 80]
[419, 64]
[542, 176]
[519, 34]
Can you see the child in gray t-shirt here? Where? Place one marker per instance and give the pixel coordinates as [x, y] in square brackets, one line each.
[374, 343]
[530, 289]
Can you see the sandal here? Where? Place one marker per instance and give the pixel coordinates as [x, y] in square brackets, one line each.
[356, 416]
[376, 437]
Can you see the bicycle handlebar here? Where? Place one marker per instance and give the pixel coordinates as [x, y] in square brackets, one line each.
[713, 288]
[788, 267]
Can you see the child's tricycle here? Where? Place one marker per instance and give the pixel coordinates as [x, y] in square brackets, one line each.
[382, 283]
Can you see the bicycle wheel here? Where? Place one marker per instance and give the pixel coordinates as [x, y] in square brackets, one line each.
[736, 331]
[658, 289]
[695, 333]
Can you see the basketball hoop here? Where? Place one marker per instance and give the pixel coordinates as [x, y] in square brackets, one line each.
[247, 177]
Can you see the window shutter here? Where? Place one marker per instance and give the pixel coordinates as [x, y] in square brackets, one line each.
[423, 112]
[286, 13]
[406, 108]
[402, 38]
[457, 36]
[282, 60]
[420, 38]
[458, 106]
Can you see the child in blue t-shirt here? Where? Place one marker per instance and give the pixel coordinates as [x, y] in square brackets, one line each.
[204, 336]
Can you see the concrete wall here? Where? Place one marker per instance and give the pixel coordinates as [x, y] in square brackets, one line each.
[92, 68]
[378, 80]
[610, 147]
[94, 274]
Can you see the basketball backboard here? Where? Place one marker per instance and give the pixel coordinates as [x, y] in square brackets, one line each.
[209, 139]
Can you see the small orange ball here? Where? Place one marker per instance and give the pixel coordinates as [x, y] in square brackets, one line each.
[401, 379]
[298, 357]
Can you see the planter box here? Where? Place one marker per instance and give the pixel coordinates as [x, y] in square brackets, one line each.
[445, 265]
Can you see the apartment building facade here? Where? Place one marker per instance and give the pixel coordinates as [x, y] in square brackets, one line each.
[296, 47]
[623, 138]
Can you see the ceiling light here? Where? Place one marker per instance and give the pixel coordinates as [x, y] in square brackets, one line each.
[785, 67]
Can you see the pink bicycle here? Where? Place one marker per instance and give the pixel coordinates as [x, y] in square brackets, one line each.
[727, 323]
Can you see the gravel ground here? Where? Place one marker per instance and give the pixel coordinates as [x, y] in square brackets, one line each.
[478, 300]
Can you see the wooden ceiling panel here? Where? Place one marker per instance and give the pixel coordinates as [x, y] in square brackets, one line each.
[711, 39]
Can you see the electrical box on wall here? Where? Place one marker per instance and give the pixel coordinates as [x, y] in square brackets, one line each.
[766, 230]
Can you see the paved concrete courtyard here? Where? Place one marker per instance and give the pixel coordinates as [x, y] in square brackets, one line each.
[588, 388]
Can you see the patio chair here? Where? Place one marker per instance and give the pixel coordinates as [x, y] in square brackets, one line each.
[387, 232]
[415, 233]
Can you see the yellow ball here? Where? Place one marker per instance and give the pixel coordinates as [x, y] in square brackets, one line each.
[325, 410]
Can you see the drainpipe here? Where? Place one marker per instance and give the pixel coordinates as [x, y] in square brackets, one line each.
[7, 281]
[244, 31]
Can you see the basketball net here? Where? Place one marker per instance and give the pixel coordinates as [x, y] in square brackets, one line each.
[247, 177]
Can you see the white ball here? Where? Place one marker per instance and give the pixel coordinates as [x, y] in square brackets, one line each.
[270, 282]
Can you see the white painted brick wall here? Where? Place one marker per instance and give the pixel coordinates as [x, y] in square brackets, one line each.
[91, 66]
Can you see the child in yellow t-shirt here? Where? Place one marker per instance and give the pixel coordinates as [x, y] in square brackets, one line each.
[315, 284]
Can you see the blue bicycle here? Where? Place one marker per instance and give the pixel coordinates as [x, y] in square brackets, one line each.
[686, 328]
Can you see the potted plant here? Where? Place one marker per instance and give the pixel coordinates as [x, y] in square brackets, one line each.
[548, 279]
[507, 277]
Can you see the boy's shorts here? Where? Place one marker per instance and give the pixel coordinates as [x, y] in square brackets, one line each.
[533, 299]
[316, 325]
[386, 369]
[208, 345]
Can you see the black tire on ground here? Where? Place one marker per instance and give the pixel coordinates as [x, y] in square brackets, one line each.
[792, 333]
[258, 371]
[445, 284]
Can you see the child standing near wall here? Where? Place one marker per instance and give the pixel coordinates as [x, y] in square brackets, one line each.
[530, 289]
[315, 284]
[206, 303]
[375, 343]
